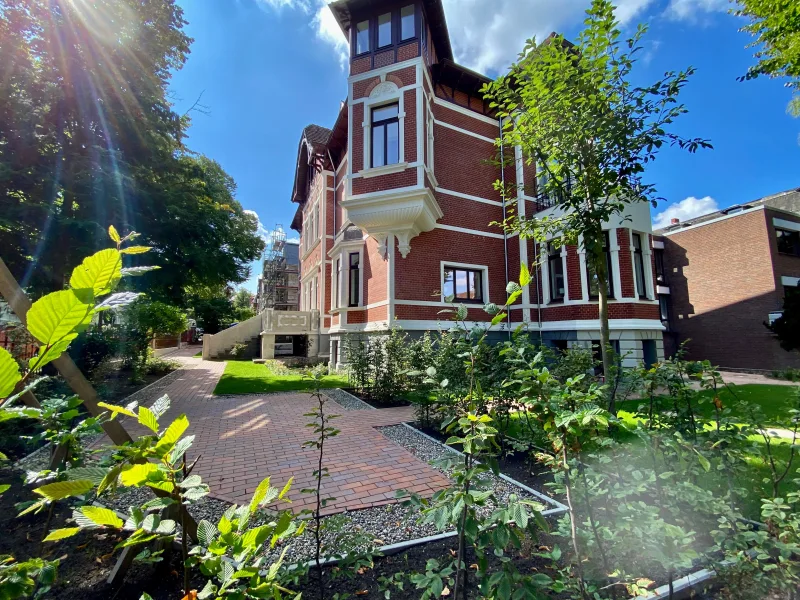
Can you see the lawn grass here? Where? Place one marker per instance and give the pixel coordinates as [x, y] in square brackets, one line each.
[247, 377]
[774, 400]
[198, 355]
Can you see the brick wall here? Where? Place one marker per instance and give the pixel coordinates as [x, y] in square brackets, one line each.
[625, 264]
[616, 310]
[784, 265]
[573, 275]
[374, 273]
[418, 276]
[722, 288]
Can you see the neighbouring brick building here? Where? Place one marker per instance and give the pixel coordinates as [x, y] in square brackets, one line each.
[395, 203]
[721, 276]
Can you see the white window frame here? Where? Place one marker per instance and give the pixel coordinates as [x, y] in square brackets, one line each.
[647, 265]
[370, 104]
[457, 265]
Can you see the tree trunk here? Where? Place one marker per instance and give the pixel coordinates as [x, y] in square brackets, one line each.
[605, 337]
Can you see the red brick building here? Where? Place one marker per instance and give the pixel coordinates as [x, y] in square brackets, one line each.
[395, 203]
[721, 276]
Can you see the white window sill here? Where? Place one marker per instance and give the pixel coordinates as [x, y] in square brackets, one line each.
[384, 170]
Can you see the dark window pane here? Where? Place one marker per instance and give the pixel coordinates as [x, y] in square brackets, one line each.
[591, 275]
[355, 279]
[555, 267]
[788, 242]
[637, 241]
[362, 37]
[392, 143]
[477, 287]
[638, 265]
[384, 112]
[385, 30]
[407, 22]
[378, 145]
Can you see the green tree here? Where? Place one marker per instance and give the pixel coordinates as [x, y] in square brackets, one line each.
[776, 26]
[146, 320]
[576, 114]
[213, 314]
[88, 135]
[243, 304]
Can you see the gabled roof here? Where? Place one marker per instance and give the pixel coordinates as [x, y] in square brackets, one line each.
[313, 142]
[343, 9]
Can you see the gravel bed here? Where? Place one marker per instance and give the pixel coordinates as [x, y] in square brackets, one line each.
[428, 450]
[346, 400]
[383, 525]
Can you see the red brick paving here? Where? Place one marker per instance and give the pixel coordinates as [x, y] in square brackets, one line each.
[243, 439]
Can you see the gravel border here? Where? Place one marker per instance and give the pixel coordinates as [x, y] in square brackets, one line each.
[346, 400]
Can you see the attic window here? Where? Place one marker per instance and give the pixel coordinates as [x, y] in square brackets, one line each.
[385, 30]
[407, 22]
[362, 37]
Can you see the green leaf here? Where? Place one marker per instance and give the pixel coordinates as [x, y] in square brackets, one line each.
[101, 516]
[206, 532]
[461, 312]
[59, 317]
[148, 419]
[171, 435]
[137, 474]
[4, 487]
[259, 494]
[513, 297]
[93, 474]
[498, 318]
[60, 534]
[180, 449]
[286, 488]
[64, 489]
[524, 275]
[98, 273]
[145, 596]
[160, 406]
[703, 462]
[136, 250]
[9, 373]
[112, 233]
[115, 410]
[191, 482]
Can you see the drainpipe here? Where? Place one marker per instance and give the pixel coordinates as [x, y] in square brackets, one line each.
[332, 359]
[505, 234]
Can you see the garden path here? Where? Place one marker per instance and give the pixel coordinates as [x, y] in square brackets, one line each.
[243, 439]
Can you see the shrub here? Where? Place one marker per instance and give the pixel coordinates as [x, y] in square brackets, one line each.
[144, 321]
[789, 374]
[91, 350]
[238, 350]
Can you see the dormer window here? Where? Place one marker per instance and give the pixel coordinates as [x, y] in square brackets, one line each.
[407, 22]
[385, 30]
[362, 37]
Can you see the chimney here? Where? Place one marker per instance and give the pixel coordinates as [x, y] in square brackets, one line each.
[674, 221]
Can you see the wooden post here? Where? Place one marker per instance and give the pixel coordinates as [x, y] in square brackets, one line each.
[20, 304]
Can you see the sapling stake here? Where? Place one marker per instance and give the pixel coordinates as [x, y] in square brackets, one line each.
[323, 431]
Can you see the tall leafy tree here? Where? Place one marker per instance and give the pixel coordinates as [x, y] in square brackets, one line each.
[88, 136]
[591, 132]
[776, 26]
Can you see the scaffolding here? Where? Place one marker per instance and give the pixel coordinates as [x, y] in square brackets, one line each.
[279, 285]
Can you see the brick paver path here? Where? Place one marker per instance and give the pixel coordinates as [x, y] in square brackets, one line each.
[243, 439]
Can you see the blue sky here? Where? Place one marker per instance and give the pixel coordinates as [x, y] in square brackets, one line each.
[267, 68]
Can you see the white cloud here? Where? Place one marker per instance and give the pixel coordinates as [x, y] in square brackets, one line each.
[328, 30]
[488, 36]
[688, 208]
[304, 5]
[692, 10]
[262, 231]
